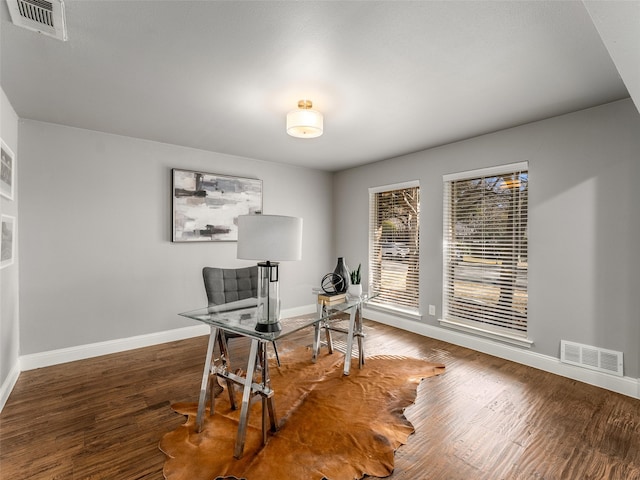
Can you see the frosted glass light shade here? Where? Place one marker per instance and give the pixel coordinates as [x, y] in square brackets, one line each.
[305, 122]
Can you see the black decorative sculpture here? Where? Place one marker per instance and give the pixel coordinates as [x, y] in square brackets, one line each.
[332, 283]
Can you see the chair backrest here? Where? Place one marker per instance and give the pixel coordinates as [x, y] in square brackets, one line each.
[224, 285]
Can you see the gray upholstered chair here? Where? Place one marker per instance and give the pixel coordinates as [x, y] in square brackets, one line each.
[224, 285]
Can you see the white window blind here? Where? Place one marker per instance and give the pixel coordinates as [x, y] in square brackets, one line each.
[485, 250]
[394, 246]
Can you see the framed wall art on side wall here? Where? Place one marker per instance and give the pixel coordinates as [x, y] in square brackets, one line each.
[206, 206]
[7, 171]
[7, 240]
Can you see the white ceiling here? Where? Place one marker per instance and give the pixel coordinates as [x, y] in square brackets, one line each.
[390, 77]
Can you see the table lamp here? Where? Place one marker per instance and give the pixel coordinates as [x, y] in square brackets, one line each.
[269, 238]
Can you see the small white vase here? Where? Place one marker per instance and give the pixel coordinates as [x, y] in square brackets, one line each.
[355, 290]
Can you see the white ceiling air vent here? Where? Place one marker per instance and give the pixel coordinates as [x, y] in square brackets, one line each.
[44, 16]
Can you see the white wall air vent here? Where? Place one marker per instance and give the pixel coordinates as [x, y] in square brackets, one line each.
[608, 361]
[43, 16]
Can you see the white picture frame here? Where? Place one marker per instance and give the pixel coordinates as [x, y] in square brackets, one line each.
[7, 240]
[7, 171]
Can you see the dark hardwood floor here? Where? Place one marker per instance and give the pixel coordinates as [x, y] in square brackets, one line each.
[485, 418]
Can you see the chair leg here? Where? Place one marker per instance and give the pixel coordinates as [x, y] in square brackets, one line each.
[275, 349]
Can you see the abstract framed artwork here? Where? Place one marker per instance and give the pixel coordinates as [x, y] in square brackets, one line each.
[7, 170]
[7, 240]
[206, 206]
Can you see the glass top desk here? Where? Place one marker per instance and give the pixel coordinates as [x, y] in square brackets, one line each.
[240, 318]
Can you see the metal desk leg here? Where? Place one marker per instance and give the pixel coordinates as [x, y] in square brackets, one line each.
[360, 334]
[224, 355]
[327, 332]
[347, 353]
[246, 396]
[268, 408]
[205, 378]
[322, 310]
[316, 334]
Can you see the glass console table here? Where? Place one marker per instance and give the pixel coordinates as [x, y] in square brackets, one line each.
[240, 318]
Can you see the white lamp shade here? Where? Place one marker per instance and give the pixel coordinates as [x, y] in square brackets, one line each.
[304, 123]
[269, 237]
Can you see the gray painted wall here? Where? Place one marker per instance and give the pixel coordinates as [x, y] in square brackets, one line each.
[584, 265]
[9, 328]
[97, 262]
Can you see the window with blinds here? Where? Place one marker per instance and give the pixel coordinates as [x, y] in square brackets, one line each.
[394, 246]
[485, 250]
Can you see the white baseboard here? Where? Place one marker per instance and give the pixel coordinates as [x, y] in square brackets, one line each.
[81, 352]
[294, 312]
[625, 385]
[71, 354]
[9, 383]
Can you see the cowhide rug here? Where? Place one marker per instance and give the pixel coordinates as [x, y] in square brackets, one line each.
[330, 425]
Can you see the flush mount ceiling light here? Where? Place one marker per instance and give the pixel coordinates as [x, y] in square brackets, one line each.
[304, 122]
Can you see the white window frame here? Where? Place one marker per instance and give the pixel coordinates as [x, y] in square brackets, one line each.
[385, 302]
[455, 319]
